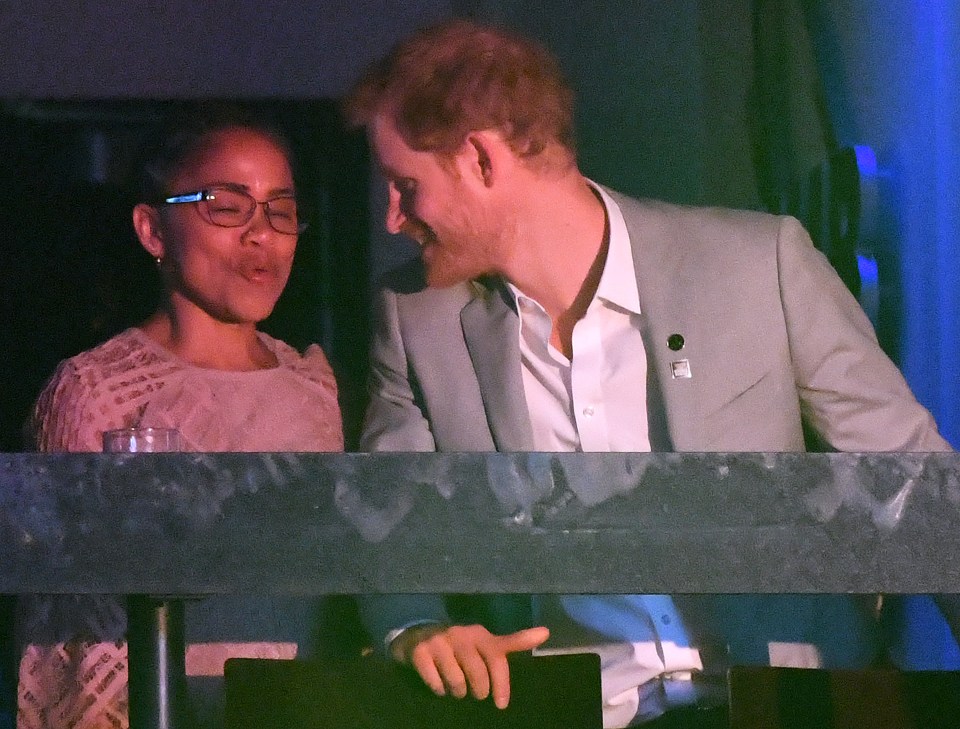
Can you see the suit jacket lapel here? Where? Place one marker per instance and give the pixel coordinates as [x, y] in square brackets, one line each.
[673, 403]
[491, 330]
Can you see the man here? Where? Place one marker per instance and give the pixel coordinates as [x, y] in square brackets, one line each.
[558, 315]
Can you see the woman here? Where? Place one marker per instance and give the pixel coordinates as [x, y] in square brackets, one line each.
[220, 218]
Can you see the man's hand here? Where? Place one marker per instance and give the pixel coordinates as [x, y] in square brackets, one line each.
[455, 658]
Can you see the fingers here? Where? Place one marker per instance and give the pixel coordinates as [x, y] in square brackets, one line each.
[471, 659]
[449, 660]
[435, 661]
[499, 672]
[499, 669]
[523, 640]
[460, 659]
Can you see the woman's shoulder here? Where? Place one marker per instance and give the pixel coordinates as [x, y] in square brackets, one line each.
[88, 390]
[302, 391]
[117, 348]
[312, 363]
[127, 351]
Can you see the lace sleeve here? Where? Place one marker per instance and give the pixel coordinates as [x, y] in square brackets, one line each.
[64, 417]
[318, 369]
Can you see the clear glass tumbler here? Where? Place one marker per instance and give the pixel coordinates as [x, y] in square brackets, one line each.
[141, 440]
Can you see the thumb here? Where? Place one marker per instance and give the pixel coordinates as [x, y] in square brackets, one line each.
[523, 640]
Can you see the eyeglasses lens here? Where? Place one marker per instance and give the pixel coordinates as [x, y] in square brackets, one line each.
[232, 208]
[284, 215]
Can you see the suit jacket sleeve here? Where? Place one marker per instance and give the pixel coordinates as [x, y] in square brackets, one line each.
[394, 421]
[851, 394]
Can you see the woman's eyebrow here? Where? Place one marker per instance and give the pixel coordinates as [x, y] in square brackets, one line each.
[273, 192]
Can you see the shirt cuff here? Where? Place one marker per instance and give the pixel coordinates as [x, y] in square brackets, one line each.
[395, 633]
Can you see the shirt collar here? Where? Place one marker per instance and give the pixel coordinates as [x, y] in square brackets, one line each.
[618, 282]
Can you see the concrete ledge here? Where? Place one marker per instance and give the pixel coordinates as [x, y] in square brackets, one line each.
[280, 523]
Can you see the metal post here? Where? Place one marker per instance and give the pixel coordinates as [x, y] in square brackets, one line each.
[157, 687]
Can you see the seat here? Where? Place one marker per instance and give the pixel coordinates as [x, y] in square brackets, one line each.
[372, 693]
[801, 698]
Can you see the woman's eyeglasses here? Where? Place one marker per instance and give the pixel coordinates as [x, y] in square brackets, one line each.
[229, 208]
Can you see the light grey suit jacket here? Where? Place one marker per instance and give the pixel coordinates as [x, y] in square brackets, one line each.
[772, 336]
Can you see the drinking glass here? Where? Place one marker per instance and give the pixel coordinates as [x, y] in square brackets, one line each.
[141, 440]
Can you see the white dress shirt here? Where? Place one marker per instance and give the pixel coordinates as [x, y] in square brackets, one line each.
[597, 402]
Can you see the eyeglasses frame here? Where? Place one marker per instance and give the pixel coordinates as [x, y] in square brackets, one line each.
[203, 195]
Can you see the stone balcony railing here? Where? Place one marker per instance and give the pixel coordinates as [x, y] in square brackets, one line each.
[298, 524]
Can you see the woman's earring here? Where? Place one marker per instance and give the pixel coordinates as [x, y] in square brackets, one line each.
[159, 260]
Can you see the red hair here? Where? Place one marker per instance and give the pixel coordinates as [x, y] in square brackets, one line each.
[448, 80]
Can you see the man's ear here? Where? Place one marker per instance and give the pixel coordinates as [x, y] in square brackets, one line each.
[146, 223]
[485, 151]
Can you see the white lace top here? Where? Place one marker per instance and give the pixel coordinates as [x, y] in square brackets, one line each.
[130, 380]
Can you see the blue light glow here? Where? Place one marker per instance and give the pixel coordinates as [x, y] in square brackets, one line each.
[930, 212]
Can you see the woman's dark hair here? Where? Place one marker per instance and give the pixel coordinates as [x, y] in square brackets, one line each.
[184, 129]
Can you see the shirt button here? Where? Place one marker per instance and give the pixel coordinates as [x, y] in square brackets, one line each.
[665, 619]
[588, 411]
